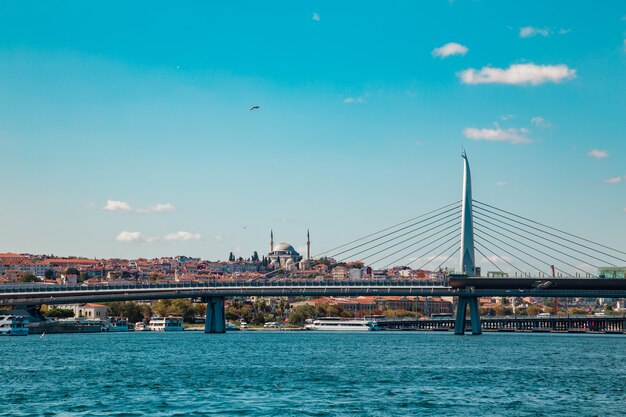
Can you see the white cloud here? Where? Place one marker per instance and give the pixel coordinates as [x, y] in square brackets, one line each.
[518, 74]
[624, 45]
[181, 236]
[218, 238]
[495, 259]
[540, 122]
[133, 237]
[354, 100]
[612, 180]
[564, 31]
[624, 210]
[116, 205]
[316, 17]
[502, 184]
[450, 49]
[138, 237]
[598, 154]
[506, 117]
[530, 31]
[157, 208]
[497, 134]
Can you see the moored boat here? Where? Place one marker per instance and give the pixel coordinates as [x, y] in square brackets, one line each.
[342, 325]
[12, 325]
[115, 324]
[165, 324]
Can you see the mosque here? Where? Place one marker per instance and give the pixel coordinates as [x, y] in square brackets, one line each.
[283, 255]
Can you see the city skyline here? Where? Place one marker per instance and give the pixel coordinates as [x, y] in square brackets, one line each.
[129, 133]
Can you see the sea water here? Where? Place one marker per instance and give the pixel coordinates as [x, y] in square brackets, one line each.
[280, 373]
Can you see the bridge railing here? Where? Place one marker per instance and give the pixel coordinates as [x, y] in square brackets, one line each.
[34, 288]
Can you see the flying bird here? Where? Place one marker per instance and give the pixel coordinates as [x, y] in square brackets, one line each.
[254, 108]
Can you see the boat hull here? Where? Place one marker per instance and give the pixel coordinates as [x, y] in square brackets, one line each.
[15, 332]
[338, 328]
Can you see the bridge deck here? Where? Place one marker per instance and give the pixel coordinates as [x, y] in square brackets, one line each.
[459, 286]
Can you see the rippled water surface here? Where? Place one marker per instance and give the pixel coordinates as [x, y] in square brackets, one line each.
[312, 374]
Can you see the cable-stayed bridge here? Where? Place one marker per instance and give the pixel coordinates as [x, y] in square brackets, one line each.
[529, 258]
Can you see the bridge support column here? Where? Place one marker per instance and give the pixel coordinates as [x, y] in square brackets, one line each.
[461, 312]
[215, 320]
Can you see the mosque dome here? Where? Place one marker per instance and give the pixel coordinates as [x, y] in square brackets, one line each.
[284, 247]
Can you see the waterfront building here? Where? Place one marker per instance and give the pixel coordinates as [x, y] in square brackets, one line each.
[89, 310]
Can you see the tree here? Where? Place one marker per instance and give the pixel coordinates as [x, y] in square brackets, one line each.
[502, 310]
[259, 318]
[60, 313]
[29, 278]
[180, 307]
[255, 257]
[49, 274]
[533, 310]
[231, 257]
[300, 314]
[131, 310]
[72, 271]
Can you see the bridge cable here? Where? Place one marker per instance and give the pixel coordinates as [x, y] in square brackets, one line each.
[422, 247]
[536, 250]
[385, 229]
[449, 256]
[481, 211]
[534, 241]
[501, 258]
[510, 254]
[560, 231]
[445, 250]
[458, 242]
[487, 258]
[397, 237]
[453, 221]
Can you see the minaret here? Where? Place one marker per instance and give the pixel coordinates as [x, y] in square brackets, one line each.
[271, 241]
[467, 225]
[308, 245]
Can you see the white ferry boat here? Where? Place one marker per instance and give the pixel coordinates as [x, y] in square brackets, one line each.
[165, 324]
[115, 324]
[12, 325]
[342, 325]
[140, 326]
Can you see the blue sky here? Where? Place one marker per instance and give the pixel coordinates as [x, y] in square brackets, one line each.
[125, 128]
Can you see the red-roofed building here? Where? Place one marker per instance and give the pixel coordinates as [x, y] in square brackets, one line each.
[12, 257]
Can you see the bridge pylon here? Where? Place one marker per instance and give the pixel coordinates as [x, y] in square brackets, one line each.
[215, 321]
[467, 258]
